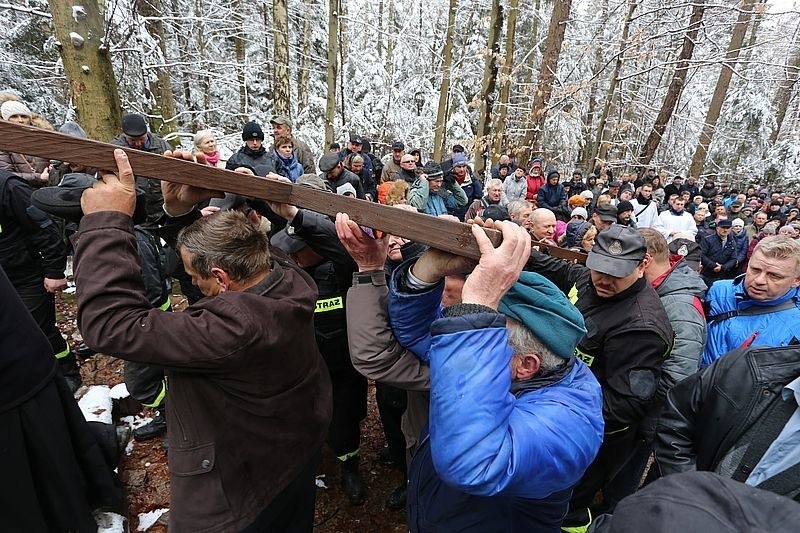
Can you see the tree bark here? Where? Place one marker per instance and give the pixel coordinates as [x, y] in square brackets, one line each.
[676, 85]
[784, 92]
[444, 88]
[333, 54]
[163, 111]
[483, 139]
[305, 60]
[88, 67]
[281, 102]
[547, 74]
[601, 133]
[721, 89]
[507, 68]
[241, 57]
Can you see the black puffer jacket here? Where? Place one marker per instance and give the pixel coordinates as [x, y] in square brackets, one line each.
[262, 161]
[31, 247]
[707, 414]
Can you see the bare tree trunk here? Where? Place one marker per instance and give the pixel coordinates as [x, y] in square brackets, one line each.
[507, 68]
[281, 93]
[379, 33]
[612, 86]
[183, 54]
[444, 88]
[333, 55]
[205, 79]
[241, 56]
[483, 141]
[305, 60]
[87, 65]
[547, 74]
[676, 85]
[163, 110]
[342, 44]
[721, 89]
[784, 92]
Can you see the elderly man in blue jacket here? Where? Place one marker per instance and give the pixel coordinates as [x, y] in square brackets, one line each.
[515, 418]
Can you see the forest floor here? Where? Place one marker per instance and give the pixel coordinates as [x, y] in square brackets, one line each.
[143, 467]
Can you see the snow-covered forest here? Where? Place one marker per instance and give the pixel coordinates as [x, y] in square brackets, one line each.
[623, 67]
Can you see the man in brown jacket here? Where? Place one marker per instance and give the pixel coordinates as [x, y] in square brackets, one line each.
[249, 396]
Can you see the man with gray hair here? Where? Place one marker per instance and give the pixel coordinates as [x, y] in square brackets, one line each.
[515, 417]
[760, 307]
[249, 398]
[492, 195]
[520, 212]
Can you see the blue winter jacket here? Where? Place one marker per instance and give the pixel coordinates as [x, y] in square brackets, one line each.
[779, 328]
[494, 460]
[552, 198]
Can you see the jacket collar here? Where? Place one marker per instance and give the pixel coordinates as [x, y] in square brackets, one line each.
[518, 388]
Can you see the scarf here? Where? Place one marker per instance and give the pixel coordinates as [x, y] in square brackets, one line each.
[213, 159]
[292, 167]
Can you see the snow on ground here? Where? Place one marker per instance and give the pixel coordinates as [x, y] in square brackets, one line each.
[146, 520]
[96, 404]
[118, 392]
[110, 523]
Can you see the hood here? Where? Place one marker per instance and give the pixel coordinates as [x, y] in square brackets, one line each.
[682, 279]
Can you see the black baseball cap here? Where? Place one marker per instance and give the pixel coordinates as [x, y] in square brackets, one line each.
[617, 251]
[288, 243]
[397, 145]
[356, 139]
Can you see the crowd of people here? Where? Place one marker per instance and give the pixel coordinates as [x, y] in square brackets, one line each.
[519, 392]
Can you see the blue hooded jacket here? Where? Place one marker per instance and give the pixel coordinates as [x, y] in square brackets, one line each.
[778, 328]
[495, 460]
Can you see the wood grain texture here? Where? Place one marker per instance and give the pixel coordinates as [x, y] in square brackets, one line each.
[447, 235]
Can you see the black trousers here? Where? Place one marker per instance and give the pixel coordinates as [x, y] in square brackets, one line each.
[292, 510]
[392, 403]
[145, 383]
[349, 395]
[42, 306]
[615, 450]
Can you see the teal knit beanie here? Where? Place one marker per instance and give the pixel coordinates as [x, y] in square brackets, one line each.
[539, 305]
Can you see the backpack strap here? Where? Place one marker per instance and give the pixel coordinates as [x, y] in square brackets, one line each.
[753, 311]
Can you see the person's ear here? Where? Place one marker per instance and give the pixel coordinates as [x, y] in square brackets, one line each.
[222, 278]
[525, 366]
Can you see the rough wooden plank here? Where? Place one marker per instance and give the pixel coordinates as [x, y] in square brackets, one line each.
[447, 235]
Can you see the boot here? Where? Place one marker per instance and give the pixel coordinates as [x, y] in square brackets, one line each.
[397, 499]
[68, 367]
[83, 351]
[351, 481]
[157, 426]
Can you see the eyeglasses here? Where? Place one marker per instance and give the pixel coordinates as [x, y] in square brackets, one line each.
[409, 161]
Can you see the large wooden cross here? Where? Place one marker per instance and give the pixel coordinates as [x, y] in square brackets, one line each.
[443, 234]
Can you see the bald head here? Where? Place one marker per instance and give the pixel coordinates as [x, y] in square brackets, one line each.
[543, 224]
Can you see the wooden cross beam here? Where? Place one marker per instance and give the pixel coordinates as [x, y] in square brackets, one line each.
[447, 235]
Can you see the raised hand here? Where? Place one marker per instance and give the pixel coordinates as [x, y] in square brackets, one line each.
[368, 253]
[179, 198]
[498, 268]
[112, 192]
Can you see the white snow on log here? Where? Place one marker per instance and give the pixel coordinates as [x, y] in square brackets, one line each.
[110, 523]
[320, 484]
[119, 392]
[96, 404]
[146, 520]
